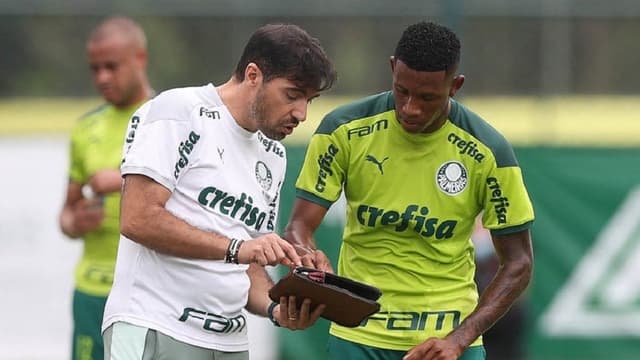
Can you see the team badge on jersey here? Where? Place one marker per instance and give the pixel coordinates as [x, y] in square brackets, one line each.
[452, 177]
[263, 175]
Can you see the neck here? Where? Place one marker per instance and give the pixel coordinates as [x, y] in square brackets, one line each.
[143, 94]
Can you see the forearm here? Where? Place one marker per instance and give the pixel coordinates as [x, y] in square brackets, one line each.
[158, 229]
[306, 216]
[145, 220]
[300, 235]
[505, 288]
[261, 282]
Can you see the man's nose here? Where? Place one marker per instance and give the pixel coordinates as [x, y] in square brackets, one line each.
[102, 75]
[300, 111]
[411, 107]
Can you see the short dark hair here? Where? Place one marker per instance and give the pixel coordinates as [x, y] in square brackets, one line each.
[427, 46]
[288, 51]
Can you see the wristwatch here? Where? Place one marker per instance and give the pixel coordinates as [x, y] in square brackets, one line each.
[272, 306]
[231, 256]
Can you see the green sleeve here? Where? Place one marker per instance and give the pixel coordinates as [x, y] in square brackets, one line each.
[324, 169]
[507, 207]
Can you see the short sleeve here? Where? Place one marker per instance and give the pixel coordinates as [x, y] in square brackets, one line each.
[507, 207]
[323, 171]
[158, 145]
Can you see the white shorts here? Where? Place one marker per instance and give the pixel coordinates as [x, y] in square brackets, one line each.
[123, 341]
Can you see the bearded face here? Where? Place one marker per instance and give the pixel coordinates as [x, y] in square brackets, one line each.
[277, 108]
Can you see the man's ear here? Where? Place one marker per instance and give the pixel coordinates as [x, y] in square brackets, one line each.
[392, 62]
[142, 58]
[253, 74]
[456, 84]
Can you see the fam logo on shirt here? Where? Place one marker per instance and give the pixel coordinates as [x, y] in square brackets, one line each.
[452, 177]
[365, 130]
[263, 175]
[214, 322]
[211, 114]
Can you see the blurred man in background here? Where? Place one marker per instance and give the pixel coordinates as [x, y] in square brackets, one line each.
[117, 56]
[416, 168]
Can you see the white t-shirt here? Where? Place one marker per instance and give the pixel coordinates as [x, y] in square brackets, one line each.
[223, 179]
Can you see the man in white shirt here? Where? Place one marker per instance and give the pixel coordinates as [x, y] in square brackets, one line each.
[203, 169]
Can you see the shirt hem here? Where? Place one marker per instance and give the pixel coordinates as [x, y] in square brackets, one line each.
[368, 341]
[180, 337]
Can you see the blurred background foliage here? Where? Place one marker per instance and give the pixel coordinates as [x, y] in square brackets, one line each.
[518, 47]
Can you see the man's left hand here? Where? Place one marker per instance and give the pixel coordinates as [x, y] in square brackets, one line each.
[289, 316]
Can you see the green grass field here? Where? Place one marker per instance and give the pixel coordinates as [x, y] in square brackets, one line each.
[577, 120]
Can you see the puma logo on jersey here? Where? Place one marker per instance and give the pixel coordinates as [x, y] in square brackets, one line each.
[378, 163]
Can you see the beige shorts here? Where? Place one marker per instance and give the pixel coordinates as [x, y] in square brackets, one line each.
[123, 341]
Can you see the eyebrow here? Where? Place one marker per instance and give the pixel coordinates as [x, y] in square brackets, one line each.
[314, 97]
[302, 91]
[296, 89]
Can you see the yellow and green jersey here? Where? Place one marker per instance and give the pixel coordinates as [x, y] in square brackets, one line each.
[412, 200]
[96, 144]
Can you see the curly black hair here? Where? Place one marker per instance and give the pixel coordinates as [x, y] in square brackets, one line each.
[288, 51]
[427, 46]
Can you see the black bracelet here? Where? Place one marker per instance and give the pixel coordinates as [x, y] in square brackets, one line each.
[231, 257]
[270, 314]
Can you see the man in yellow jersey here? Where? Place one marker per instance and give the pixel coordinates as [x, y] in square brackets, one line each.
[117, 56]
[416, 168]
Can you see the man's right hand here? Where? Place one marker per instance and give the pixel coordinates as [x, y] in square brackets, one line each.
[87, 215]
[315, 259]
[269, 249]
